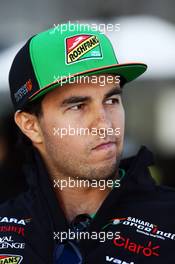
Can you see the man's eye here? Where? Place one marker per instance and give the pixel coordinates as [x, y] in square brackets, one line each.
[76, 107]
[113, 101]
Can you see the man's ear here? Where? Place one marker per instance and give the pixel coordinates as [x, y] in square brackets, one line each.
[29, 125]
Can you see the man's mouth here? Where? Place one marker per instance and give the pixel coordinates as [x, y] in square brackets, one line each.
[105, 145]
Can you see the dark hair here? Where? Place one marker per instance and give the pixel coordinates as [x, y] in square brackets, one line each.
[34, 107]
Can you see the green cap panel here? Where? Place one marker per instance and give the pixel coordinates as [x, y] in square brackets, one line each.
[54, 54]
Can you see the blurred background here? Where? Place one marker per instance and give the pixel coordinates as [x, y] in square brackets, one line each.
[145, 31]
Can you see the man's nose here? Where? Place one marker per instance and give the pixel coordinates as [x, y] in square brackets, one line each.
[100, 118]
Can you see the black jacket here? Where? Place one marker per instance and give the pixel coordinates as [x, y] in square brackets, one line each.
[141, 212]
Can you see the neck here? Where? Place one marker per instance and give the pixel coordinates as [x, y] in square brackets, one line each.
[75, 201]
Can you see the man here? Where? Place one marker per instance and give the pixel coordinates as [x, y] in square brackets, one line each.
[66, 89]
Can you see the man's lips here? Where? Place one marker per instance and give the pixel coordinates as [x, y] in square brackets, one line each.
[104, 145]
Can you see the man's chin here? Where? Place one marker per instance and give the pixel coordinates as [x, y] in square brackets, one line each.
[102, 172]
[105, 171]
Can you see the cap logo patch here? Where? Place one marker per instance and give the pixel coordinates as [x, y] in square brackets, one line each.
[22, 91]
[81, 47]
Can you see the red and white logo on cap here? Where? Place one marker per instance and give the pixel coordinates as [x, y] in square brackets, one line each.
[82, 47]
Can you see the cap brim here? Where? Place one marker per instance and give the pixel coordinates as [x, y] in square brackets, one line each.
[128, 72]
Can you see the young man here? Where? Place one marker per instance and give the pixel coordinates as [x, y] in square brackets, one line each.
[83, 204]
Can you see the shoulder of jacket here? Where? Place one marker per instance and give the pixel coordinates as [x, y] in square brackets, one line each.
[17, 205]
[166, 191]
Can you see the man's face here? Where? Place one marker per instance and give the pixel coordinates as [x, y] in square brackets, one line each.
[95, 115]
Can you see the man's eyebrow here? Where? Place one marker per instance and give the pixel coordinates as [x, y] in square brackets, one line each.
[81, 99]
[75, 99]
[115, 90]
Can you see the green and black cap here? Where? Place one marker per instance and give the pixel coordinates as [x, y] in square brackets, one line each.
[55, 55]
